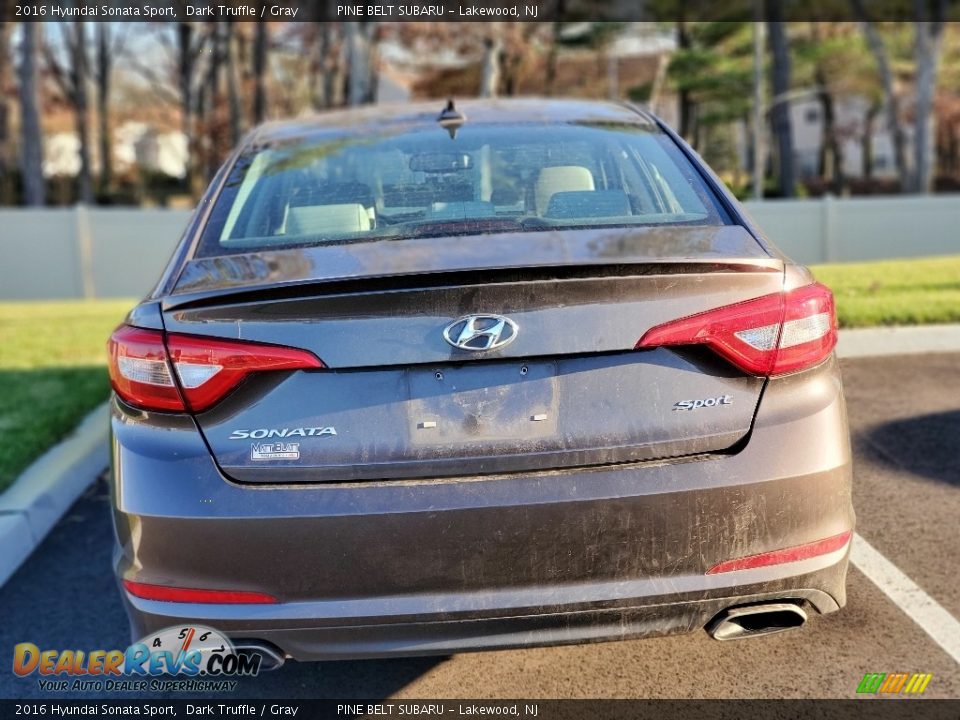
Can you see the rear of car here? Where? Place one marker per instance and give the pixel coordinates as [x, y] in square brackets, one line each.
[523, 375]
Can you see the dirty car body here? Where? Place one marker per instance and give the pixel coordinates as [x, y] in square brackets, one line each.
[523, 374]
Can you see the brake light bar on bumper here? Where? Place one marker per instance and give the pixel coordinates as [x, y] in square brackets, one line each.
[206, 368]
[769, 335]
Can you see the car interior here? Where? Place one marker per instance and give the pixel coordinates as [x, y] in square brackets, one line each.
[288, 194]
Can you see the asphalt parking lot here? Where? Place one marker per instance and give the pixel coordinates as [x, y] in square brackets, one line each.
[905, 419]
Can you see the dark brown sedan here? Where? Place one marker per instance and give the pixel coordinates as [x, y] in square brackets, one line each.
[509, 374]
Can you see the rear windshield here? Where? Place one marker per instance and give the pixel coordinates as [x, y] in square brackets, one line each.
[337, 187]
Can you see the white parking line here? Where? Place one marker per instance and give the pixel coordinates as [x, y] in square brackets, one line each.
[926, 612]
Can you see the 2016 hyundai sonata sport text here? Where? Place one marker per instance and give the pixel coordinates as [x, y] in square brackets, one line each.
[421, 380]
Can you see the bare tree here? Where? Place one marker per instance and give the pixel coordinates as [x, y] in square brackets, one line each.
[553, 53]
[780, 111]
[517, 52]
[72, 80]
[361, 62]
[190, 44]
[686, 105]
[322, 44]
[831, 150]
[891, 102]
[490, 73]
[230, 68]
[80, 72]
[209, 106]
[259, 71]
[756, 125]
[335, 65]
[927, 50]
[6, 159]
[866, 141]
[109, 45]
[31, 145]
[928, 42]
[323, 48]
[189, 79]
[102, 73]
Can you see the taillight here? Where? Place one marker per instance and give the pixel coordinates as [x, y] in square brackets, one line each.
[139, 371]
[768, 335]
[206, 368]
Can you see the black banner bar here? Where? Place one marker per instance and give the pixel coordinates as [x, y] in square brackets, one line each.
[464, 10]
[873, 708]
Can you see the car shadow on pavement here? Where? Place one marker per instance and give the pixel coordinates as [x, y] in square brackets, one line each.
[925, 445]
[64, 597]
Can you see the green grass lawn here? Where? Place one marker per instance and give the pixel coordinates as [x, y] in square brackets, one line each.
[52, 372]
[895, 292]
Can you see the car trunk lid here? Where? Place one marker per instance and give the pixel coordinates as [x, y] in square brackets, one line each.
[397, 400]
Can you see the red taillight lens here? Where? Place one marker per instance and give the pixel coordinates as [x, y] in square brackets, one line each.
[769, 335]
[139, 371]
[194, 595]
[206, 368]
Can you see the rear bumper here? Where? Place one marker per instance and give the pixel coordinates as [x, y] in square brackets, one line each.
[435, 567]
[315, 638]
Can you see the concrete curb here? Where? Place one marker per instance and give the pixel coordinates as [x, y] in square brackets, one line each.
[907, 340]
[48, 487]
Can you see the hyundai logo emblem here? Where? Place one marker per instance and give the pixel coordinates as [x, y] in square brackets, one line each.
[481, 332]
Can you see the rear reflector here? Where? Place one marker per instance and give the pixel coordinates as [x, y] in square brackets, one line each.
[207, 368]
[785, 555]
[192, 595]
[769, 335]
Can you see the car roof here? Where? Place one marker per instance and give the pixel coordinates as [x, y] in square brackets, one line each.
[500, 111]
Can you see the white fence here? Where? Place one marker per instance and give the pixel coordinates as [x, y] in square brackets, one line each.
[81, 252]
[120, 252]
[852, 229]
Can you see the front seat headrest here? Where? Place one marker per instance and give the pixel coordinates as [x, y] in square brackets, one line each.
[560, 178]
[327, 219]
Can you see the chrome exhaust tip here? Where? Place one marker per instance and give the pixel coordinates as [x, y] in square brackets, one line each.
[749, 621]
[271, 657]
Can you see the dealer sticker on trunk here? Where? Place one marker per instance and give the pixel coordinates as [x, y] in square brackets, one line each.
[275, 451]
